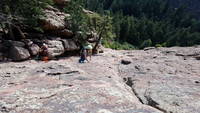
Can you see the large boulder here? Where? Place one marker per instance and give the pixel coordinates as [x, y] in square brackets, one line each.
[70, 45]
[65, 33]
[27, 42]
[18, 53]
[34, 49]
[53, 20]
[10, 43]
[55, 48]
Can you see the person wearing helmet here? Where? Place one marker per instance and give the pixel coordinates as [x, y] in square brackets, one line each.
[44, 52]
[89, 51]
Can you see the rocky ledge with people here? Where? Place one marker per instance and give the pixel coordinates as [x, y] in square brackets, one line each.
[157, 80]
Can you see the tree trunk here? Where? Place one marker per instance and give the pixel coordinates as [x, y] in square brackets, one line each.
[11, 35]
[20, 32]
[95, 49]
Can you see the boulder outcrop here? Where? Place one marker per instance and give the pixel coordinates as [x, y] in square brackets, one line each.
[9, 43]
[65, 33]
[18, 53]
[70, 45]
[22, 50]
[54, 19]
[34, 49]
[55, 48]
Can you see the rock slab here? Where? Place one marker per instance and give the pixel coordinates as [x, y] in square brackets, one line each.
[18, 53]
[165, 78]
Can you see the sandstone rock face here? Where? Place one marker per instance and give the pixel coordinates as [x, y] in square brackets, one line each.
[55, 48]
[18, 53]
[165, 78]
[65, 86]
[53, 20]
[27, 42]
[65, 33]
[34, 49]
[161, 82]
[70, 45]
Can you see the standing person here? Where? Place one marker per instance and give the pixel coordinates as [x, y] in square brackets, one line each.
[89, 51]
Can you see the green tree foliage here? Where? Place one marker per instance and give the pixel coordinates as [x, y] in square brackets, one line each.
[85, 22]
[28, 10]
[139, 22]
[17, 14]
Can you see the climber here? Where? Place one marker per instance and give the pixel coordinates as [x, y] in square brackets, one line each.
[88, 48]
[44, 52]
[83, 56]
[85, 53]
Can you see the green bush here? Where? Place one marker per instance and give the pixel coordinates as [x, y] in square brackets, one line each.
[158, 45]
[146, 43]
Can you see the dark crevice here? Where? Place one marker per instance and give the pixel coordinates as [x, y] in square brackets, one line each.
[130, 83]
[136, 94]
[55, 74]
[153, 104]
[150, 101]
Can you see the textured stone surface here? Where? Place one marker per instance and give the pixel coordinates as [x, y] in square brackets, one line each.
[65, 86]
[18, 53]
[161, 82]
[34, 49]
[55, 48]
[165, 78]
[70, 45]
[54, 19]
[65, 33]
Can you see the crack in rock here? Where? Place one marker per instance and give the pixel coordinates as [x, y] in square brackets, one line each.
[58, 73]
[130, 83]
[150, 101]
[153, 103]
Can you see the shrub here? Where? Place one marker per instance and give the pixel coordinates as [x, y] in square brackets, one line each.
[146, 43]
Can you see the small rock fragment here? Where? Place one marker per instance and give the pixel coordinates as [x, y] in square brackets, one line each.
[126, 62]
